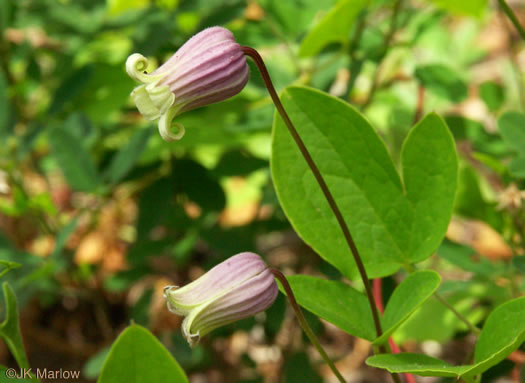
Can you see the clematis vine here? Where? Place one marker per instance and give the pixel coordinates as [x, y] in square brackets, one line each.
[237, 288]
[210, 67]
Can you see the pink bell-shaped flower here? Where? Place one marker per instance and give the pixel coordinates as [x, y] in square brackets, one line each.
[237, 288]
[208, 68]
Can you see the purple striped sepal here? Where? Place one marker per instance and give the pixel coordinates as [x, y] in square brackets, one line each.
[237, 288]
[208, 68]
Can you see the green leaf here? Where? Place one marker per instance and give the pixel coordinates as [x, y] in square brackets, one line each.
[8, 266]
[492, 94]
[298, 368]
[336, 302]
[474, 8]
[93, 366]
[503, 332]
[334, 27]
[512, 129]
[128, 156]
[4, 104]
[198, 183]
[442, 81]
[463, 256]
[138, 357]
[238, 163]
[482, 141]
[10, 328]
[74, 160]
[62, 238]
[111, 85]
[463, 296]
[3, 373]
[391, 224]
[5, 17]
[470, 200]
[417, 364]
[116, 7]
[517, 167]
[406, 298]
[70, 88]
[519, 263]
[429, 164]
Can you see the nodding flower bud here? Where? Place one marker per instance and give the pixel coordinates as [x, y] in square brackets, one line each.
[235, 289]
[208, 68]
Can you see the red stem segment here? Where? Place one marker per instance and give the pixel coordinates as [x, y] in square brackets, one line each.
[378, 295]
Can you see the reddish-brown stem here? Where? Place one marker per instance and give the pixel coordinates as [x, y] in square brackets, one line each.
[378, 295]
[304, 324]
[320, 180]
[420, 103]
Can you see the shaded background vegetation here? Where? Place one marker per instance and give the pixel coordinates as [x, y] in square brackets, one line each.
[102, 214]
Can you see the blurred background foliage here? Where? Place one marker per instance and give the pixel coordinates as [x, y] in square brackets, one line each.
[101, 214]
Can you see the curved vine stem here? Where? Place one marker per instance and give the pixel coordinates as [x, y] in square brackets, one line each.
[512, 17]
[320, 180]
[256, 57]
[304, 324]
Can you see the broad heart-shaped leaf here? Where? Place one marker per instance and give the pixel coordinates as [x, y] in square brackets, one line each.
[138, 357]
[406, 298]
[10, 328]
[73, 159]
[392, 224]
[418, 364]
[336, 302]
[334, 27]
[512, 128]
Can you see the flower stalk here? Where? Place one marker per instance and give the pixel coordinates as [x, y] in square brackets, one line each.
[252, 53]
[304, 324]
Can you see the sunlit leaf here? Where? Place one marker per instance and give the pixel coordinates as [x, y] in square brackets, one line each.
[465, 7]
[391, 223]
